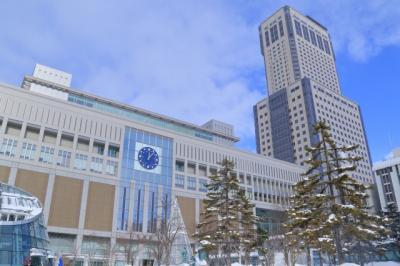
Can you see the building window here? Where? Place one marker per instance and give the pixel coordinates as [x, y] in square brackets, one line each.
[80, 161]
[203, 185]
[64, 158]
[387, 188]
[191, 168]
[327, 49]
[267, 37]
[213, 171]
[249, 193]
[180, 166]
[113, 151]
[82, 144]
[281, 28]
[8, 147]
[96, 165]
[28, 151]
[298, 27]
[305, 33]
[320, 45]
[46, 155]
[274, 33]
[67, 140]
[313, 39]
[248, 177]
[112, 168]
[179, 181]
[202, 170]
[191, 183]
[50, 136]
[32, 133]
[98, 148]
[13, 128]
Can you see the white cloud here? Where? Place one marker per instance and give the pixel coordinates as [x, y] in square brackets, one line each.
[194, 60]
[360, 29]
[186, 61]
[390, 155]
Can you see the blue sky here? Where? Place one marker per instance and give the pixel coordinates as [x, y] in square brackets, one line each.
[196, 60]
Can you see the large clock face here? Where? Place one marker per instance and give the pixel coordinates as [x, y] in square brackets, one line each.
[148, 158]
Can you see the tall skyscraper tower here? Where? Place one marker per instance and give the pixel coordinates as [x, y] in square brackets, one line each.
[303, 88]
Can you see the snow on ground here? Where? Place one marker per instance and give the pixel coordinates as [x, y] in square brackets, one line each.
[384, 263]
[381, 263]
[280, 261]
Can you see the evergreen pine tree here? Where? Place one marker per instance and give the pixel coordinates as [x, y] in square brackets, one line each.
[228, 225]
[247, 223]
[329, 210]
[392, 217]
[302, 228]
[263, 252]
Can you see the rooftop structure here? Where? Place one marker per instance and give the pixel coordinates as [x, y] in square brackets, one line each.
[46, 85]
[295, 46]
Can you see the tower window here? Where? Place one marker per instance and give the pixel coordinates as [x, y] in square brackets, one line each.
[298, 27]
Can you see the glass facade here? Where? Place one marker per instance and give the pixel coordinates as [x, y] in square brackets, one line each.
[280, 126]
[270, 220]
[46, 155]
[203, 185]
[17, 238]
[28, 151]
[146, 182]
[8, 147]
[180, 181]
[140, 117]
[191, 183]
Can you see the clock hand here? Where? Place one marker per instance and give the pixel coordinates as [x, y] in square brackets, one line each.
[151, 155]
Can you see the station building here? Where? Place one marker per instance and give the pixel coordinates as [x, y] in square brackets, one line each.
[100, 168]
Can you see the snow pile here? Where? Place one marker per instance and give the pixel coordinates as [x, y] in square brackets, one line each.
[279, 259]
[205, 242]
[380, 263]
[347, 206]
[332, 218]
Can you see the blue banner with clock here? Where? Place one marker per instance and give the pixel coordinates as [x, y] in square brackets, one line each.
[147, 161]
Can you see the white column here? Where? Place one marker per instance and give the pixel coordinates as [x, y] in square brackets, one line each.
[145, 206]
[160, 204]
[131, 203]
[49, 194]
[41, 133]
[12, 176]
[115, 210]
[3, 125]
[197, 209]
[113, 240]
[82, 214]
